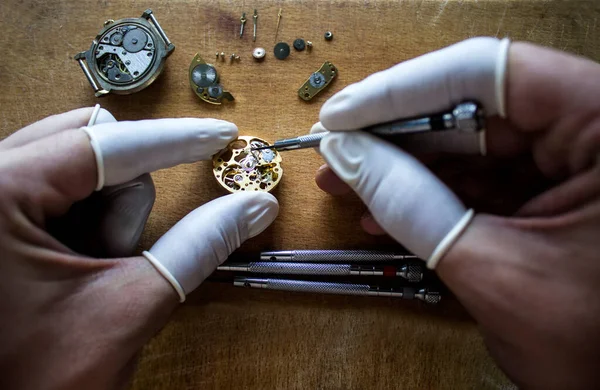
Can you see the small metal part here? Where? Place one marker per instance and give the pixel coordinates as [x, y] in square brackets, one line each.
[232, 57]
[424, 294]
[328, 36]
[412, 273]
[222, 56]
[242, 23]
[204, 75]
[255, 17]
[281, 50]
[135, 40]
[237, 58]
[217, 55]
[317, 81]
[204, 80]
[299, 44]
[309, 45]
[259, 53]
[336, 255]
[126, 56]
[238, 168]
[278, 21]
[467, 117]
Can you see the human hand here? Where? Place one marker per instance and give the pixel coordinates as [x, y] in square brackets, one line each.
[529, 279]
[72, 321]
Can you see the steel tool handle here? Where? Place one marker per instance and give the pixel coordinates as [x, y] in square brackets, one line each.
[338, 288]
[412, 273]
[333, 255]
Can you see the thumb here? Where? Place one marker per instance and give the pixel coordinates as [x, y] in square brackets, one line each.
[203, 239]
[405, 198]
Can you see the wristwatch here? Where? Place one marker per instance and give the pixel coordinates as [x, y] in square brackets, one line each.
[126, 56]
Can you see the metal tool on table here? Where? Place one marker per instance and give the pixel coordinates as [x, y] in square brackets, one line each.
[255, 17]
[410, 272]
[278, 21]
[466, 116]
[424, 294]
[242, 23]
[335, 255]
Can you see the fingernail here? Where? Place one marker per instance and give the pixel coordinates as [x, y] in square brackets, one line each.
[261, 211]
[322, 168]
[344, 153]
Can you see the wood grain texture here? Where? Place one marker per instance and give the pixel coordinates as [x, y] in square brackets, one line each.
[227, 338]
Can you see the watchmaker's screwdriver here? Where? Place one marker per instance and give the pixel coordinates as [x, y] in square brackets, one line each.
[424, 294]
[467, 116]
[410, 272]
[335, 255]
[255, 17]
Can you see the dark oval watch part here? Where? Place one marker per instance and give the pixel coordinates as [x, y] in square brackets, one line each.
[328, 35]
[204, 75]
[299, 44]
[281, 51]
[135, 40]
[215, 91]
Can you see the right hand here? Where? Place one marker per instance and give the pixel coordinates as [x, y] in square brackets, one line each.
[530, 279]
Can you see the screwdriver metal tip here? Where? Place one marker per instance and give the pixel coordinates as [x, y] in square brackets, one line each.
[263, 147]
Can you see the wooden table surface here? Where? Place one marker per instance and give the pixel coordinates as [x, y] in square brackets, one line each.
[230, 338]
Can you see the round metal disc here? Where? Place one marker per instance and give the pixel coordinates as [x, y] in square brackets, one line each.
[116, 39]
[259, 53]
[215, 91]
[299, 44]
[281, 51]
[204, 75]
[317, 80]
[135, 40]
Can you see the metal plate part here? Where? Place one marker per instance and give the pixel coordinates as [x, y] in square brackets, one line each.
[204, 75]
[281, 50]
[204, 80]
[126, 56]
[238, 168]
[317, 81]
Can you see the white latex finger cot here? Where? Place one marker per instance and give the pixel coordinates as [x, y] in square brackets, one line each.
[125, 150]
[405, 199]
[203, 239]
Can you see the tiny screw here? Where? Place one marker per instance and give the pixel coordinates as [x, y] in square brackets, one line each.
[328, 36]
[308, 45]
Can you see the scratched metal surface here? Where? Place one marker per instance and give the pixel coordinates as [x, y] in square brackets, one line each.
[227, 338]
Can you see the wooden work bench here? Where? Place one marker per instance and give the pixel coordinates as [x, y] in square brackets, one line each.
[228, 338]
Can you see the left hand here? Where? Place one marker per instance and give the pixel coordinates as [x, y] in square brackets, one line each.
[68, 320]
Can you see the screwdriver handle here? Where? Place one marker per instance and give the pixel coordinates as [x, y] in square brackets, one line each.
[335, 255]
[410, 272]
[423, 294]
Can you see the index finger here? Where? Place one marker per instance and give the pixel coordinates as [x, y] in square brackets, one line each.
[61, 169]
